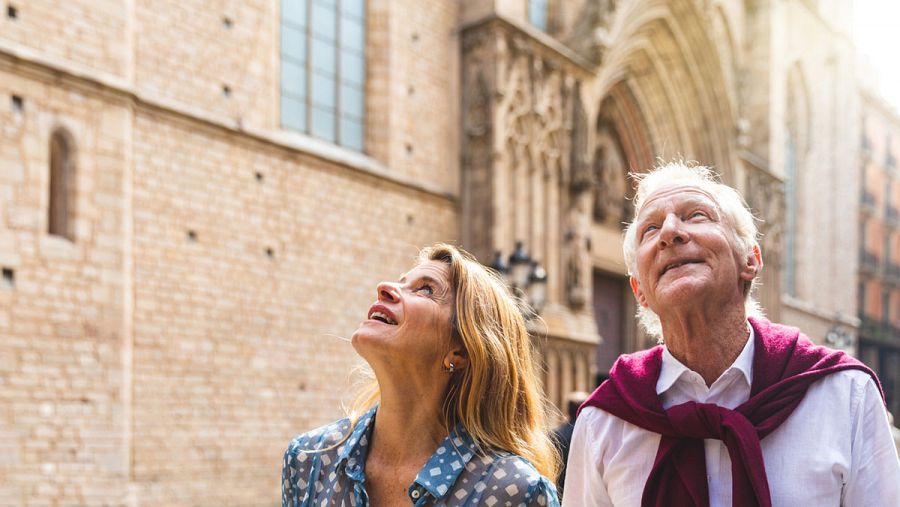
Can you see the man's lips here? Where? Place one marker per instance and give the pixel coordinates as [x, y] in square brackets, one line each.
[677, 264]
[381, 313]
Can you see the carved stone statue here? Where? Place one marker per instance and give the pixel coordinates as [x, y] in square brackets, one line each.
[610, 174]
[590, 36]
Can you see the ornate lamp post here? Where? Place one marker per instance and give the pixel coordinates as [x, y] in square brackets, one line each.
[525, 276]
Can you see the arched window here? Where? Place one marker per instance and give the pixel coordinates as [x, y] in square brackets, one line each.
[62, 185]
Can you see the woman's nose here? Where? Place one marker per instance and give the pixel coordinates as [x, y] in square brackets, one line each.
[672, 231]
[388, 291]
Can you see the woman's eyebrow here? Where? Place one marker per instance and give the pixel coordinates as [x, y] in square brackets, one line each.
[423, 278]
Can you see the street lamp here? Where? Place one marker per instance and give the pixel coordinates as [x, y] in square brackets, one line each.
[526, 277]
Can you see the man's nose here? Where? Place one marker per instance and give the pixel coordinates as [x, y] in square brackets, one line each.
[388, 291]
[672, 231]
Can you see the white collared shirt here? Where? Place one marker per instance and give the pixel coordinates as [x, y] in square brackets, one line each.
[835, 448]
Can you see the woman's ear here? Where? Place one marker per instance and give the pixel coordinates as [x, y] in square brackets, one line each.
[458, 357]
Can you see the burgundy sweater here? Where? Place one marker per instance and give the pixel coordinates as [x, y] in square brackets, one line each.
[785, 364]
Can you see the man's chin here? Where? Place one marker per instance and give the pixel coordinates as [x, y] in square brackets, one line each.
[681, 292]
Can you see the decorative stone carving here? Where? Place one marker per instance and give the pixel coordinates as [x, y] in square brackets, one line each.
[590, 36]
[610, 205]
[582, 174]
[765, 195]
[526, 155]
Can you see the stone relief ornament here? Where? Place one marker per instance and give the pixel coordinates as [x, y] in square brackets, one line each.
[765, 196]
[527, 154]
[610, 203]
[590, 36]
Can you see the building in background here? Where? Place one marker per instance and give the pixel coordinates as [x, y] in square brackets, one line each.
[197, 200]
[879, 245]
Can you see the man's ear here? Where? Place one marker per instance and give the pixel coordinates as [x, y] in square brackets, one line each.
[638, 293]
[752, 266]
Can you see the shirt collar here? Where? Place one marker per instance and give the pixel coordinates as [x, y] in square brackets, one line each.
[673, 369]
[352, 453]
[448, 461]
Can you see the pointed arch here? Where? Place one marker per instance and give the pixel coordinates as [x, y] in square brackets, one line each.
[667, 54]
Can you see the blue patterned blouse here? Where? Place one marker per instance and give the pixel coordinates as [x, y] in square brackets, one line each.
[455, 475]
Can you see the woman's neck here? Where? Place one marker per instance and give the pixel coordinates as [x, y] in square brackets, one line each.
[408, 425]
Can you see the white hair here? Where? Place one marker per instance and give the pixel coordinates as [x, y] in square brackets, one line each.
[731, 206]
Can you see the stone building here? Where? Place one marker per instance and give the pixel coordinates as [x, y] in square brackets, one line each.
[879, 245]
[198, 198]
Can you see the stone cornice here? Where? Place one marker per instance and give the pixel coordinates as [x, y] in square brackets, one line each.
[552, 48]
[20, 58]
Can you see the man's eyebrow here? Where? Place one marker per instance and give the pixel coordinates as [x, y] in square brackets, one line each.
[689, 201]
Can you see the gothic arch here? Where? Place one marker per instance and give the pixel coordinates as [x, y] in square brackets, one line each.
[665, 54]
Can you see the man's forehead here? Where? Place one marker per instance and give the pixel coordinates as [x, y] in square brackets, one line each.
[680, 192]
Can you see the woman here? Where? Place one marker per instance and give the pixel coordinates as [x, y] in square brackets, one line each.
[459, 419]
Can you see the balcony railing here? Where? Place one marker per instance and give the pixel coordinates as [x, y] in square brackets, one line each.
[892, 273]
[868, 261]
[879, 331]
[892, 215]
[868, 199]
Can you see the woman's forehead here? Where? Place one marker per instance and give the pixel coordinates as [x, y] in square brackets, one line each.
[436, 270]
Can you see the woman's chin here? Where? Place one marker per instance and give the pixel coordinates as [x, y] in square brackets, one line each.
[364, 341]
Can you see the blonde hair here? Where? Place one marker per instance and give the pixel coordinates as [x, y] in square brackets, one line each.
[731, 206]
[497, 398]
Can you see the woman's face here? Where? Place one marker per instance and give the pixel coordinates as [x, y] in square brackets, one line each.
[410, 319]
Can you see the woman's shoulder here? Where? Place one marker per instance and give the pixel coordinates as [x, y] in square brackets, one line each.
[320, 438]
[516, 479]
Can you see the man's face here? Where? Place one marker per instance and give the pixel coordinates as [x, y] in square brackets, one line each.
[686, 253]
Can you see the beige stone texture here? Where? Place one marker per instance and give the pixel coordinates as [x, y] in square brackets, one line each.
[198, 318]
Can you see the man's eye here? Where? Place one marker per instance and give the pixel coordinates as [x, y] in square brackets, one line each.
[650, 228]
[428, 289]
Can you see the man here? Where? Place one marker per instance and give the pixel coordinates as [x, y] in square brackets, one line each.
[732, 409]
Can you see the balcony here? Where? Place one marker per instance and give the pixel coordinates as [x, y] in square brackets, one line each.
[892, 273]
[892, 216]
[868, 262]
[868, 202]
[876, 331]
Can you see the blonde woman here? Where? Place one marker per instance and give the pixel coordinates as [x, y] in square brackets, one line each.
[457, 416]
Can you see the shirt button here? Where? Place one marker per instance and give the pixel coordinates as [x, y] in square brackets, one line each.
[415, 494]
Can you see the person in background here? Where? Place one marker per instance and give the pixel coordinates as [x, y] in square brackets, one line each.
[455, 415]
[562, 435]
[730, 409]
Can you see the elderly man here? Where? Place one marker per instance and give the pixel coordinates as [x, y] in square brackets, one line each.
[732, 409]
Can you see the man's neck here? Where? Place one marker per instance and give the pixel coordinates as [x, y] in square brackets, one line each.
[707, 346]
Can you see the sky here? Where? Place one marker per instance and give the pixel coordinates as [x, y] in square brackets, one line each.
[877, 36]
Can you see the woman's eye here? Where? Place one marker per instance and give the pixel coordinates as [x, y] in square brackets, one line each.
[426, 289]
[698, 214]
